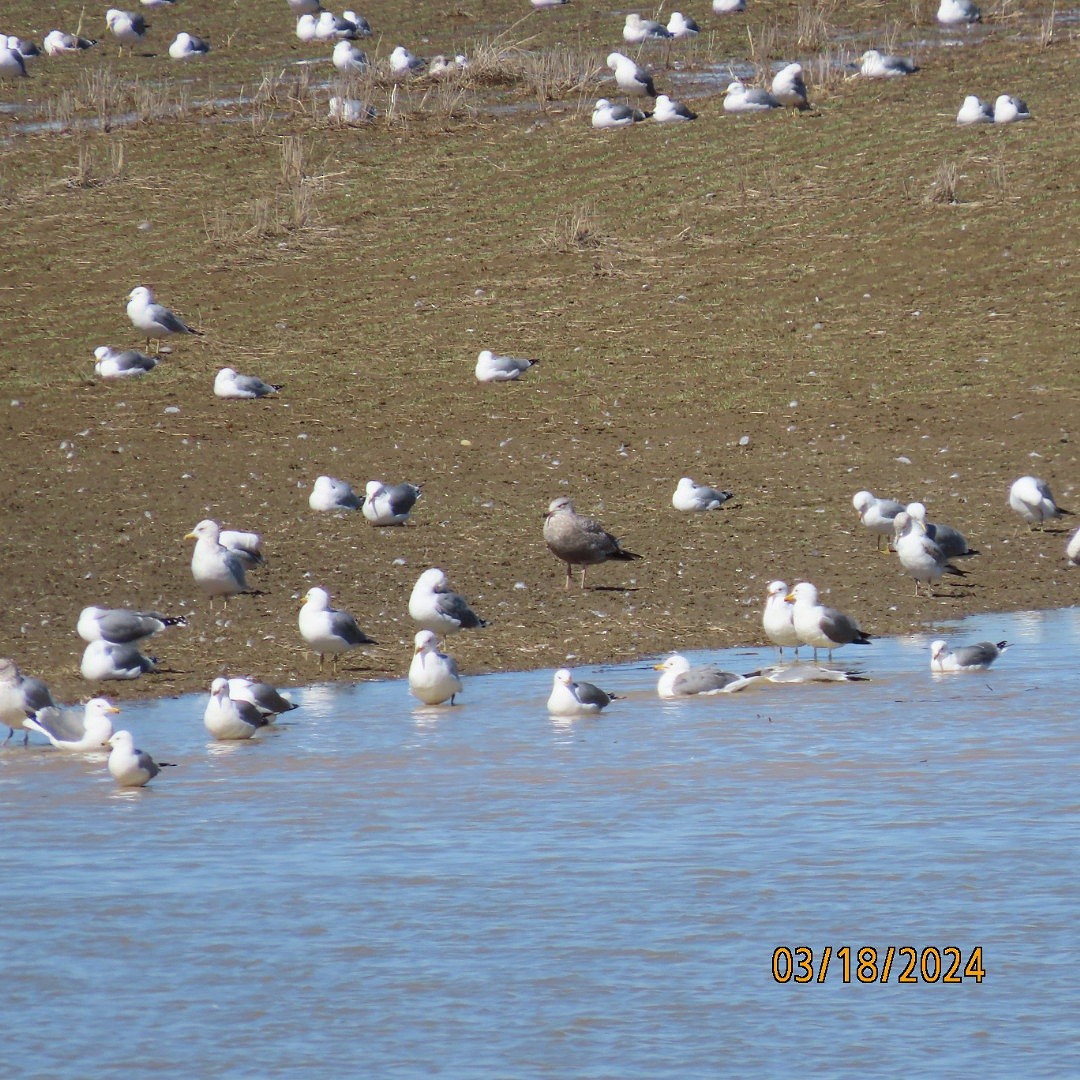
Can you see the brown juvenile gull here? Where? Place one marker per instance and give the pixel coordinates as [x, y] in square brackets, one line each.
[577, 540]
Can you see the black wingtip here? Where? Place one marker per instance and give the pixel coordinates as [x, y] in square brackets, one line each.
[1002, 645]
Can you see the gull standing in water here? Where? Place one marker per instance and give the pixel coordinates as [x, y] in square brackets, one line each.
[226, 718]
[263, 696]
[21, 696]
[977, 657]
[778, 619]
[579, 541]
[129, 766]
[822, 627]
[433, 676]
[569, 698]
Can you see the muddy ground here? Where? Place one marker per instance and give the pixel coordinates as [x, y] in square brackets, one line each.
[797, 282]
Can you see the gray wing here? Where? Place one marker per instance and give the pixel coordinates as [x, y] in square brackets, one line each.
[588, 694]
[128, 656]
[132, 360]
[122, 627]
[402, 497]
[952, 542]
[251, 714]
[268, 700]
[146, 762]
[898, 63]
[36, 695]
[138, 24]
[345, 496]
[841, 628]
[716, 496]
[454, 606]
[757, 96]
[64, 725]
[252, 384]
[889, 508]
[978, 655]
[343, 625]
[622, 112]
[703, 681]
[167, 319]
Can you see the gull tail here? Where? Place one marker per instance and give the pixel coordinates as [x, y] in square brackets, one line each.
[625, 555]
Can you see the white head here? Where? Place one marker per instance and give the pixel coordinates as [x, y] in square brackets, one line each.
[558, 505]
[317, 598]
[219, 687]
[425, 642]
[735, 87]
[103, 352]
[9, 671]
[434, 580]
[938, 649]
[373, 488]
[675, 662]
[777, 588]
[564, 677]
[142, 293]
[122, 739]
[917, 511]
[803, 593]
[205, 530]
[862, 501]
[603, 103]
[871, 56]
[616, 59]
[112, 15]
[901, 522]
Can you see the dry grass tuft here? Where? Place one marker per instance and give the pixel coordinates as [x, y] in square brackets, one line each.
[1046, 28]
[945, 183]
[87, 173]
[813, 23]
[574, 230]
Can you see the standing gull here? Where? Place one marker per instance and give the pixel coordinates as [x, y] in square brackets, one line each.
[326, 630]
[877, 514]
[12, 65]
[822, 627]
[121, 626]
[389, 504]
[216, 570]
[1030, 497]
[228, 384]
[153, 320]
[433, 676]
[579, 541]
[103, 660]
[127, 364]
[789, 88]
[1072, 549]
[433, 606]
[78, 730]
[490, 367]
[569, 698]
[778, 619]
[977, 657]
[127, 27]
[919, 555]
[952, 542]
[129, 766]
[693, 498]
[875, 65]
[21, 696]
[226, 718]
[331, 495]
[630, 78]
[679, 679]
[958, 13]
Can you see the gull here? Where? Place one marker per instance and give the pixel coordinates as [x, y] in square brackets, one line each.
[21, 697]
[778, 619]
[262, 695]
[57, 43]
[667, 111]
[953, 543]
[307, 28]
[919, 555]
[102, 660]
[185, 46]
[348, 58]
[128, 364]
[363, 27]
[822, 627]
[569, 698]
[789, 88]
[804, 673]
[630, 78]
[24, 47]
[391, 505]
[129, 766]
[606, 115]
[433, 606]
[227, 719]
[433, 676]
[153, 320]
[977, 657]
[493, 368]
[216, 570]
[728, 7]
[877, 514]
[327, 630]
[351, 110]
[955, 12]
[694, 498]
[579, 541]
[331, 495]
[975, 111]
[738, 98]
[157, 3]
[127, 26]
[228, 384]
[1030, 497]
[540, 4]
[682, 26]
[121, 626]
[305, 7]
[679, 679]
[442, 68]
[1008, 110]
[1072, 549]
[72, 729]
[329, 26]
[873, 65]
[402, 62]
[246, 546]
[12, 65]
[637, 30]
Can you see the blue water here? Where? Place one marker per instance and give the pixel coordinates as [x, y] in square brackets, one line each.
[373, 889]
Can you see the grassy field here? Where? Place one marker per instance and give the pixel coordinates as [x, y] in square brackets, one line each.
[876, 298]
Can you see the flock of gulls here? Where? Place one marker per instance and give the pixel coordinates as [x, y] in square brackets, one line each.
[238, 707]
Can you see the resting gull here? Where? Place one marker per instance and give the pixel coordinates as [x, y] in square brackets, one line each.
[569, 698]
[12, 65]
[121, 626]
[129, 766]
[739, 98]
[579, 541]
[877, 514]
[666, 111]
[728, 7]
[347, 58]
[977, 657]
[975, 111]
[263, 696]
[331, 27]
[153, 320]
[692, 498]
[682, 26]
[875, 65]
[608, 115]
[186, 45]
[216, 570]
[679, 679]
[1009, 110]
[433, 676]
[919, 555]
[958, 12]
[228, 384]
[490, 367]
[127, 364]
[822, 627]
[330, 495]
[630, 78]
[778, 618]
[78, 730]
[637, 30]
[1031, 498]
[226, 718]
[403, 62]
[433, 606]
[21, 696]
[102, 660]
[1072, 548]
[57, 43]
[327, 631]
[389, 504]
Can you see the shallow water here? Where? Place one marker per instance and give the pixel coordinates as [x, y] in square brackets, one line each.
[373, 889]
